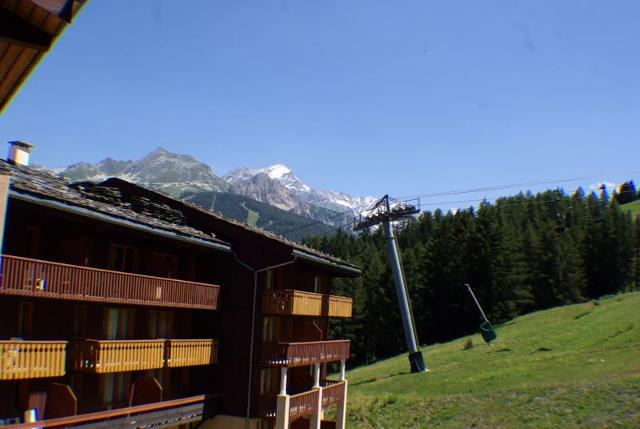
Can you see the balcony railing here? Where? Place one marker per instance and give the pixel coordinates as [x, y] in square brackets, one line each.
[303, 404]
[191, 352]
[31, 359]
[104, 356]
[340, 306]
[332, 393]
[291, 302]
[32, 277]
[303, 354]
[160, 414]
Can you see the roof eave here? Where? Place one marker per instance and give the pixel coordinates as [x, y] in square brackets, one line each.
[348, 270]
[84, 212]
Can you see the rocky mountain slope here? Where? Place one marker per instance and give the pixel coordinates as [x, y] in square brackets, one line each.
[241, 179]
[160, 169]
[183, 176]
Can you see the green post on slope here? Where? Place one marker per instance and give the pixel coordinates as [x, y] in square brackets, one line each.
[486, 330]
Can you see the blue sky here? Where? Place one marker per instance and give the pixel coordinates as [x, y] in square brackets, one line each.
[367, 97]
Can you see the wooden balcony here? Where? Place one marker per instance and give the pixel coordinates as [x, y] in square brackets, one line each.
[32, 359]
[191, 352]
[332, 393]
[44, 279]
[289, 302]
[164, 414]
[303, 354]
[340, 306]
[105, 356]
[303, 404]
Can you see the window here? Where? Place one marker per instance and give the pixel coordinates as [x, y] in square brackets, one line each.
[80, 321]
[163, 265]
[77, 385]
[269, 282]
[32, 241]
[266, 381]
[157, 324]
[118, 323]
[268, 329]
[123, 258]
[25, 319]
[114, 388]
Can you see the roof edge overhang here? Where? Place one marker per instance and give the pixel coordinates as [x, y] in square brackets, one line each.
[341, 268]
[84, 212]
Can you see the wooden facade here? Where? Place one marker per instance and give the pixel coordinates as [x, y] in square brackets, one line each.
[297, 303]
[120, 315]
[28, 28]
[32, 359]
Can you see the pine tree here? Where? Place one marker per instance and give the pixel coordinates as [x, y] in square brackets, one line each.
[520, 254]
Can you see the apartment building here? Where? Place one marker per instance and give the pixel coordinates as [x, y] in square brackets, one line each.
[120, 305]
[106, 304]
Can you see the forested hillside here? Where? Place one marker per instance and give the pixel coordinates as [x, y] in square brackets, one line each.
[255, 213]
[520, 254]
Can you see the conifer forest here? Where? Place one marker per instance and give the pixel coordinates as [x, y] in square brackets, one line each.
[520, 254]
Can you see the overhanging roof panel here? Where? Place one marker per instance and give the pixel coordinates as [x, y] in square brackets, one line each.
[19, 51]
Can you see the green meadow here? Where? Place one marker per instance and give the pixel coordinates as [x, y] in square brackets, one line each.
[576, 366]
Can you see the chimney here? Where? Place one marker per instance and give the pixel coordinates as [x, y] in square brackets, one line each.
[19, 152]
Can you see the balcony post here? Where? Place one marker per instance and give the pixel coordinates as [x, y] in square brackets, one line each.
[343, 369]
[341, 415]
[315, 422]
[316, 376]
[282, 411]
[283, 380]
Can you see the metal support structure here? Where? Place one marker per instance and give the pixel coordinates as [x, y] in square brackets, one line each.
[473, 296]
[382, 212]
[487, 331]
[415, 355]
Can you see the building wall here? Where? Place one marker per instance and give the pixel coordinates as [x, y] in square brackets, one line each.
[40, 233]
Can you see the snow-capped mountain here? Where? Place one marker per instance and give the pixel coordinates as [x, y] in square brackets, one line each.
[279, 172]
[178, 174]
[337, 201]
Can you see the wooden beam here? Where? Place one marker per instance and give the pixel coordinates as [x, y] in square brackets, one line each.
[18, 31]
[63, 9]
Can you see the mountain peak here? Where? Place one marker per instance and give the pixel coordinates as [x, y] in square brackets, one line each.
[276, 171]
[170, 172]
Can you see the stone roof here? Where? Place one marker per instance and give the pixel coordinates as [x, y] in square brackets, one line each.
[98, 199]
[106, 198]
[219, 217]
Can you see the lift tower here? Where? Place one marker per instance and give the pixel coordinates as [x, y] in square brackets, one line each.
[383, 212]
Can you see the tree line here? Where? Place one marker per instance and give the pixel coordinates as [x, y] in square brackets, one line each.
[520, 254]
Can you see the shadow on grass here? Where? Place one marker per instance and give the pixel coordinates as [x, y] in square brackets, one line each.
[581, 315]
[374, 379]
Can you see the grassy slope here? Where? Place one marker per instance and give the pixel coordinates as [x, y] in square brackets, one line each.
[574, 366]
[633, 207]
